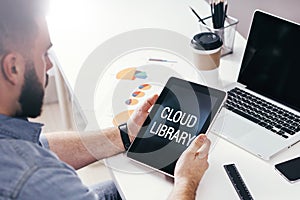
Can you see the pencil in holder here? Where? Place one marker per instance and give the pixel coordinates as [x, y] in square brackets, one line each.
[227, 33]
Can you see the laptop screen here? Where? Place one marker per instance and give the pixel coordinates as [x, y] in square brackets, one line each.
[271, 63]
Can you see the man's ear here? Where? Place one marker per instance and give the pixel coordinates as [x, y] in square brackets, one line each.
[9, 68]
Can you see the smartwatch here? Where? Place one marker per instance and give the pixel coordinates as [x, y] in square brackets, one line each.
[124, 135]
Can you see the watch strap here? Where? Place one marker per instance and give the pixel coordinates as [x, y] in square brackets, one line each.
[124, 135]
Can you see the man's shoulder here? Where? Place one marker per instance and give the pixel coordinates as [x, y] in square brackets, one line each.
[28, 171]
[20, 160]
[25, 152]
[21, 155]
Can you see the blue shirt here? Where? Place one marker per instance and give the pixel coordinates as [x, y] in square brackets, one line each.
[29, 171]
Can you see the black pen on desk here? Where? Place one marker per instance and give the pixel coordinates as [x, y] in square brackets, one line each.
[200, 19]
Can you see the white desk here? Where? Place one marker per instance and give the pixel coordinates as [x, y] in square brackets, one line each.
[78, 27]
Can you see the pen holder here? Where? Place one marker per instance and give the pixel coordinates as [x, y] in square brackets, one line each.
[227, 33]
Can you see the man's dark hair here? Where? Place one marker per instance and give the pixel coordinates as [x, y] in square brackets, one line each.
[18, 26]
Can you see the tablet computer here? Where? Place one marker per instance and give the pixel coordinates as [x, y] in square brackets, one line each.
[182, 111]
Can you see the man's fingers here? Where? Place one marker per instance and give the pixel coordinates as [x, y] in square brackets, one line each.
[139, 116]
[203, 151]
[150, 101]
[197, 143]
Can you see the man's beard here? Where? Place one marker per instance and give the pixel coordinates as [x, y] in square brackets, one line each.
[32, 94]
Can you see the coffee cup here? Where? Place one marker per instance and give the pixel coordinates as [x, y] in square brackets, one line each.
[207, 50]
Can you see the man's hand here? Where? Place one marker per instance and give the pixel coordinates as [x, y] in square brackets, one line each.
[139, 116]
[190, 168]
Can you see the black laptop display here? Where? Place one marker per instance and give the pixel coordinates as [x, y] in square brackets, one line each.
[271, 63]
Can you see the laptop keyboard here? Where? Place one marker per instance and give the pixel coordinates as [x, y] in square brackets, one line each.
[266, 114]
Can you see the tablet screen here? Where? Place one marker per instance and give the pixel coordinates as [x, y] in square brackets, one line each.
[182, 111]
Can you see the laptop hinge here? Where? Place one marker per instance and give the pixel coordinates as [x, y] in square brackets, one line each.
[240, 85]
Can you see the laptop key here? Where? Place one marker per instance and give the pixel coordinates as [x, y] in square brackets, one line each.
[263, 124]
[269, 127]
[280, 132]
[273, 130]
[285, 136]
[287, 130]
[297, 128]
[229, 107]
[278, 126]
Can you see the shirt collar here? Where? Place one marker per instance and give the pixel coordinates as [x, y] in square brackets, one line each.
[19, 128]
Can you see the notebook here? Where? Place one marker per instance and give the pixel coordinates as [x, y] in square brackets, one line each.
[261, 114]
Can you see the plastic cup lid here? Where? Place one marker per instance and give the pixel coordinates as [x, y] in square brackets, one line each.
[206, 41]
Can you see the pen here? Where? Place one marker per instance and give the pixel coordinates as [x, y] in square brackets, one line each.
[225, 11]
[221, 13]
[162, 60]
[200, 19]
[218, 12]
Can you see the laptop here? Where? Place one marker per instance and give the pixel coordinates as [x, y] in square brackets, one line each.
[262, 112]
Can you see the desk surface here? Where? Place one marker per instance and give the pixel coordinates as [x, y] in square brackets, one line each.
[79, 27]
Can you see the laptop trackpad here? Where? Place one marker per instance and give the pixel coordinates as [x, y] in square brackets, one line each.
[229, 124]
[246, 134]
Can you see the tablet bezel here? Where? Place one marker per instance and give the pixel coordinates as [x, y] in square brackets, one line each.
[220, 99]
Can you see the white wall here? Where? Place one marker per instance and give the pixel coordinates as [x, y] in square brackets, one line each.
[243, 10]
